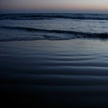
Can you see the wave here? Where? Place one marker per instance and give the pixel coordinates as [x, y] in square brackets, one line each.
[52, 34]
[42, 16]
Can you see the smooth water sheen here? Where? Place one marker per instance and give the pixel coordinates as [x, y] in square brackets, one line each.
[71, 69]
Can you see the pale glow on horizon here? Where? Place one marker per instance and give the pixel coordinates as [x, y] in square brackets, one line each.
[54, 4]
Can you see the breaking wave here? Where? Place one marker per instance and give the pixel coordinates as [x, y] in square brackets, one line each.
[42, 16]
[50, 34]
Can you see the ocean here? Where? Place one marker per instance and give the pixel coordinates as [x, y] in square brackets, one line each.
[54, 59]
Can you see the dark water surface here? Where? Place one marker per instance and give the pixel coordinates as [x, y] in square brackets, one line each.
[62, 73]
[54, 59]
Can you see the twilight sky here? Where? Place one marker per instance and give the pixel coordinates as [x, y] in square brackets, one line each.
[97, 5]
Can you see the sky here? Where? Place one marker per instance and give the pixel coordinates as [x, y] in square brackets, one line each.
[27, 5]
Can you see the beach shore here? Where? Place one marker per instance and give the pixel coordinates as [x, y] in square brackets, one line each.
[70, 73]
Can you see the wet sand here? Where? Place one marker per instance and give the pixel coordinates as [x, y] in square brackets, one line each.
[54, 73]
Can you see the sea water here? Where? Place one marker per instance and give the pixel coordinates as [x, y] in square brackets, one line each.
[57, 58]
